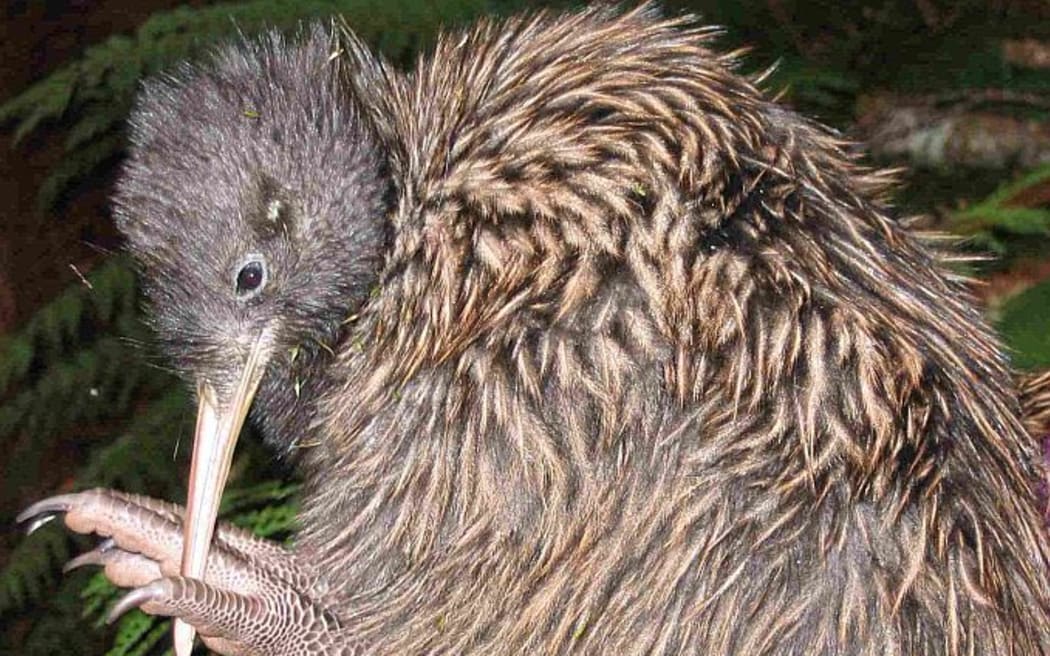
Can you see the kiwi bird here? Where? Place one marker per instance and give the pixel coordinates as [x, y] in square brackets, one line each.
[583, 345]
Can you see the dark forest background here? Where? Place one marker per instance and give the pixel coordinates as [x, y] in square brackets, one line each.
[955, 91]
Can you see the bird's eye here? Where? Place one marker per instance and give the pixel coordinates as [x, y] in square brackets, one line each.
[251, 278]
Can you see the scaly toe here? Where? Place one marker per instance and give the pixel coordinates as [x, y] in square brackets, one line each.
[139, 596]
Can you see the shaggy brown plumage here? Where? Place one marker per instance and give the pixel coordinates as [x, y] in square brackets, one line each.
[1035, 401]
[651, 366]
[654, 369]
[1035, 405]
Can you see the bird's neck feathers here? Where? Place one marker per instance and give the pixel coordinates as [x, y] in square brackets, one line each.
[524, 152]
[534, 157]
[524, 156]
[600, 225]
[289, 393]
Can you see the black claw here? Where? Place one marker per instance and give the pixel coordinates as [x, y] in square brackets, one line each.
[136, 598]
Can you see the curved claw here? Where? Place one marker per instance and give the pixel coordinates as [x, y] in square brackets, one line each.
[138, 597]
[100, 555]
[39, 521]
[51, 507]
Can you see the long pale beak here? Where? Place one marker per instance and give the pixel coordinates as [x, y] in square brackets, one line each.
[219, 422]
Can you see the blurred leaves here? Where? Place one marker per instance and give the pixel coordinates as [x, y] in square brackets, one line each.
[91, 97]
[1014, 217]
[1014, 222]
[1025, 324]
[1021, 206]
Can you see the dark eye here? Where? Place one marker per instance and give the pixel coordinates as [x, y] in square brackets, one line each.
[251, 278]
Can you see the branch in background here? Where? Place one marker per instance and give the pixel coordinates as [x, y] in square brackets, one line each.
[1027, 53]
[951, 132]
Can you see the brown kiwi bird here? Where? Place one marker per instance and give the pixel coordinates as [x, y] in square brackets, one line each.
[584, 346]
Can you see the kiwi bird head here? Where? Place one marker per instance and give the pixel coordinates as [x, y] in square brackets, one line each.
[253, 200]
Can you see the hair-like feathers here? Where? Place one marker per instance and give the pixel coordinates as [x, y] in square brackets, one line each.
[258, 153]
[652, 367]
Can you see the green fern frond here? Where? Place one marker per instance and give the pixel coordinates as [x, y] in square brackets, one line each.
[93, 384]
[267, 509]
[45, 100]
[1004, 210]
[269, 520]
[59, 626]
[32, 567]
[237, 500]
[138, 634]
[99, 119]
[97, 594]
[92, 96]
[129, 462]
[55, 327]
[87, 158]
[1015, 188]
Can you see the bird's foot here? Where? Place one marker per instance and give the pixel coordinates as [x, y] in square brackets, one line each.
[256, 597]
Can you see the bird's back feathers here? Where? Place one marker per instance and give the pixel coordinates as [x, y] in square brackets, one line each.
[654, 369]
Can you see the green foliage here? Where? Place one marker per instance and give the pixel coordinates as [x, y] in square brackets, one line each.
[59, 626]
[92, 96]
[830, 51]
[73, 386]
[1014, 222]
[1007, 214]
[31, 572]
[1025, 324]
[139, 634]
[266, 509]
[55, 329]
[148, 439]
[1003, 210]
[77, 363]
[72, 364]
